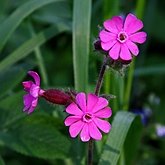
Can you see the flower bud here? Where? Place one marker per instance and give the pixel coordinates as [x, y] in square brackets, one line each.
[56, 96]
[97, 44]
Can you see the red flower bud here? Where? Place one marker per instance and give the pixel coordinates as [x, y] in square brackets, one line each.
[56, 96]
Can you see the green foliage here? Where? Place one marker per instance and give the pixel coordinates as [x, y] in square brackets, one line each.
[132, 141]
[36, 135]
[30, 45]
[116, 138]
[10, 24]
[1, 161]
[81, 38]
[12, 77]
[11, 110]
[150, 70]
[61, 33]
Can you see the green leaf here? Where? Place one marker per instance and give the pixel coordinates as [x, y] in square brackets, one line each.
[2, 161]
[54, 13]
[133, 141]
[115, 141]
[12, 77]
[11, 109]
[30, 45]
[13, 21]
[37, 136]
[81, 38]
[110, 8]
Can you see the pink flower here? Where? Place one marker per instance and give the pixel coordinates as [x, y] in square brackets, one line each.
[33, 92]
[120, 36]
[85, 117]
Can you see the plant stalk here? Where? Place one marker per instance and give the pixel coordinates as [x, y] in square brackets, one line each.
[97, 91]
[100, 79]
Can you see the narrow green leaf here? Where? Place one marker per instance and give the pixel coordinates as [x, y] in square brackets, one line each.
[133, 141]
[116, 138]
[12, 77]
[30, 45]
[2, 161]
[54, 13]
[37, 136]
[39, 58]
[81, 37]
[13, 21]
[140, 6]
[11, 110]
[110, 8]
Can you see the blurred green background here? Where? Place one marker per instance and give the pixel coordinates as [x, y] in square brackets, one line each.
[39, 35]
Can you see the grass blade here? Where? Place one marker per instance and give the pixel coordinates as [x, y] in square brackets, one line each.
[30, 45]
[116, 138]
[39, 58]
[13, 21]
[11, 77]
[139, 13]
[81, 37]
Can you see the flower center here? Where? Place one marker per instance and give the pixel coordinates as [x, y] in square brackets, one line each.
[87, 117]
[122, 37]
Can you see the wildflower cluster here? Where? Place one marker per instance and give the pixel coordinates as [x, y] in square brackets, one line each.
[86, 112]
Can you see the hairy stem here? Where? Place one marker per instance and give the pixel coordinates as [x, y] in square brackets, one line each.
[100, 79]
[97, 91]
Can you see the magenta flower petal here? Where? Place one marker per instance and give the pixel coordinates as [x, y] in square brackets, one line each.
[139, 37]
[84, 135]
[33, 106]
[31, 110]
[94, 131]
[103, 125]
[81, 101]
[27, 85]
[119, 36]
[125, 53]
[132, 47]
[84, 121]
[114, 52]
[114, 25]
[91, 101]
[71, 119]
[104, 113]
[35, 76]
[75, 128]
[74, 110]
[34, 102]
[27, 99]
[108, 45]
[132, 24]
[34, 90]
[107, 36]
[29, 103]
[102, 103]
